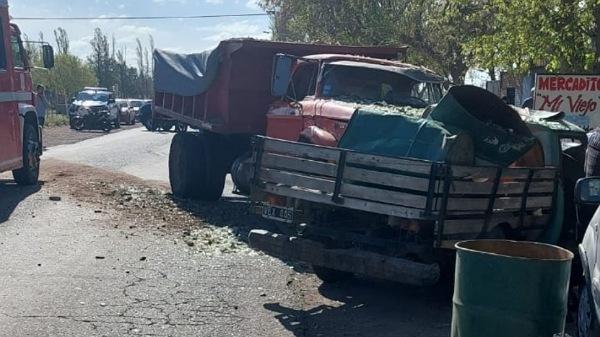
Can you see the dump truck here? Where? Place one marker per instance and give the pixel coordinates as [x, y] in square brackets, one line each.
[391, 196]
[20, 133]
[225, 94]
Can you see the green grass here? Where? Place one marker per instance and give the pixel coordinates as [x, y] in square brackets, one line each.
[53, 119]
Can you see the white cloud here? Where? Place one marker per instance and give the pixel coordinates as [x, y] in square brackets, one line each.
[214, 2]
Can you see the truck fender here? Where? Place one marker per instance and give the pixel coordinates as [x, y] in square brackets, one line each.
[27, 114]
[317, 136]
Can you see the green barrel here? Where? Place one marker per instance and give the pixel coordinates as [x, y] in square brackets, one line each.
[508, 288]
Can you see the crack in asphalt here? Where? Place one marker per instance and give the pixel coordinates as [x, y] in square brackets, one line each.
[176, 307]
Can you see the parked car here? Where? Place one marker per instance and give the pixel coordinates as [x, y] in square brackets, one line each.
[587, 194]
[135, 105]
[127, 113]
[96, 100]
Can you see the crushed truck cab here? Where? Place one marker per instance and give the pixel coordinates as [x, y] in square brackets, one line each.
[393, 205]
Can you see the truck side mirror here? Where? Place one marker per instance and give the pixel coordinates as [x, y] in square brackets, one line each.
[282, 74]
[48, 56]
[587, 191]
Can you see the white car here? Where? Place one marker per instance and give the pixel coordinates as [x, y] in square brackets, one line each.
[587, 193]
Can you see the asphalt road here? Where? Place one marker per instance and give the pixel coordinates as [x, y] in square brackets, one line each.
[137, 152]
[72, 270]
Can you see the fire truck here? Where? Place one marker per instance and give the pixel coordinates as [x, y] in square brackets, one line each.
[20, 134]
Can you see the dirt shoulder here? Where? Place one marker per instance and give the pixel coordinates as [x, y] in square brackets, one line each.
[209, 228]
[61, 135]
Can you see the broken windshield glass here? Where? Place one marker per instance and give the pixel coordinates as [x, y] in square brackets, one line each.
[375, 85]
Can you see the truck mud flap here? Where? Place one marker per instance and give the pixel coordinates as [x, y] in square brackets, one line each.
[349, 260]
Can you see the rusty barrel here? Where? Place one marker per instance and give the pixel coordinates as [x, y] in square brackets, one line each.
[509, 288]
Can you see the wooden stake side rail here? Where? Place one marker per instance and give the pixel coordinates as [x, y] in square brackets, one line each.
[477, 198]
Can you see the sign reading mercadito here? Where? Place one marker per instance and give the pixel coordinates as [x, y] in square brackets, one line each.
[578, 96]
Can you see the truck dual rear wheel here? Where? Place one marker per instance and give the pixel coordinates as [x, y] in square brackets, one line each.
[29, 173]
[196, 170]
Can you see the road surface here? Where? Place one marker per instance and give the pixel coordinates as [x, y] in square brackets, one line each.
[137, 152]
[108, 259]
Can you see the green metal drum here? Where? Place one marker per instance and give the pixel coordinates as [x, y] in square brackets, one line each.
[510, 289]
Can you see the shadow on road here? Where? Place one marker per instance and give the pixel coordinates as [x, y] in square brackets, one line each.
[366, 308]
[11, 195]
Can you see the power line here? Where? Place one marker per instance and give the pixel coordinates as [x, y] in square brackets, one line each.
[191, 17]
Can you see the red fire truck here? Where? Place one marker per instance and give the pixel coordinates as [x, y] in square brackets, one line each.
[20, 135]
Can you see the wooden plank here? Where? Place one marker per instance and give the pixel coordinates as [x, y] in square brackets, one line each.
[476, 205]
[475, 173]
[385, 196]
[386, 179]
[542, 187]
[505, 187]
[488, 174]
[405, 165]
[380, 208]
[356, 204]
[302, 181]
[550, 173]
[290, 192]
[306, 166]
[470, 226]
[301, 150]
[501, 203]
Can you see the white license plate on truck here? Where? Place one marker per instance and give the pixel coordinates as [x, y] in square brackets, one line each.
[282, 214]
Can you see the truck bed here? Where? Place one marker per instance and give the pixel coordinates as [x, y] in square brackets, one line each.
[464, 201]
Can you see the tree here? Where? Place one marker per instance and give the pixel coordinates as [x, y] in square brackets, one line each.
[69, 75]
[101, 60]
[434, 37]
[560, 35]
[62, 40]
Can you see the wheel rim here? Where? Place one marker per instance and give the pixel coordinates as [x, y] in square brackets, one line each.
[584, 313]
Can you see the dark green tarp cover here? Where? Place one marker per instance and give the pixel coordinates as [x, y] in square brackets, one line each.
[185, 75]
[499, 134]
[396, 134]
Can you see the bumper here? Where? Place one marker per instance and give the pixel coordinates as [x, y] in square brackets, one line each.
[349, 260]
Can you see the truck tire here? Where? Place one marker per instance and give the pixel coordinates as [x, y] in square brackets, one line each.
[29, 173]
[195, 168]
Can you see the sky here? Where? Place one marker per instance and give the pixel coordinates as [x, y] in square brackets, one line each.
[185, 36]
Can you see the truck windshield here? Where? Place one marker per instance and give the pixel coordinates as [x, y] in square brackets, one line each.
[92, 96]
[377, 86]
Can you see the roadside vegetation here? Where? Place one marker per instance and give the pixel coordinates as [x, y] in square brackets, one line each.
[453, 35]
[55, 119]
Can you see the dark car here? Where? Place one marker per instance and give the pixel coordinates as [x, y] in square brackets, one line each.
[95, 100]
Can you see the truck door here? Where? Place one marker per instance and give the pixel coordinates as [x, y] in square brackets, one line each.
[10, 129]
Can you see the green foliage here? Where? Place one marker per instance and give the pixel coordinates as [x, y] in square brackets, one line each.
[69, 75]
[54, 119]
[451, 35]
[434, 36]
[555, 34]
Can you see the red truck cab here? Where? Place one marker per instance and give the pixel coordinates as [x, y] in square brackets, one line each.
[320, 93]
[20, 135]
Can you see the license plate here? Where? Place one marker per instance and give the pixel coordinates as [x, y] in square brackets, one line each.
[282, 214]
